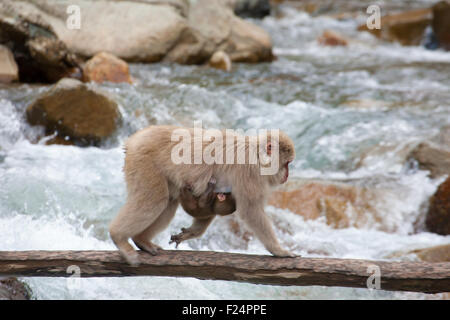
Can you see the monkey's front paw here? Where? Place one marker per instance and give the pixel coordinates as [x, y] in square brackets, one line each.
[285, 254]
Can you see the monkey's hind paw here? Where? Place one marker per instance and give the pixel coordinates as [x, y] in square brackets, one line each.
[148, 247]
[179, 238]
[132, 258]
[176, 238]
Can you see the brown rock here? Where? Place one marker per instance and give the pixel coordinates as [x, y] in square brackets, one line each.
[441, 23]
[59, 140]
[220, 60]
[72, 109]
[406, 28]
[438, 216]
[332, 38]
[13, 289]
[334, 210]
[106, 67]
[433, 158]
[248, 43]
[434, 254]
[8, 67]
[343, 205]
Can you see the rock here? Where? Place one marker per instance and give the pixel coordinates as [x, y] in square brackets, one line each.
[220, 60]
[443, 138]
[40, 55]
[152, 31]
[248, 43]
[133, 31]
[214, 27]
[252, 8]
[106, 67]
[406, 28]
[434, 254]
[334, 210]
[60, 140]
[13, 289]
[342, 205]
[8, 67]
[438, 216]
[433, 158]
[441, 24]
[73, 109]
[332, 38]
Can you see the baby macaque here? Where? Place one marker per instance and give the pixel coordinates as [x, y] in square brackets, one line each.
[211, 203]
[204, 208]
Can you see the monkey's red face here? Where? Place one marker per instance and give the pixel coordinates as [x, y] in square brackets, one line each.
[286, 156]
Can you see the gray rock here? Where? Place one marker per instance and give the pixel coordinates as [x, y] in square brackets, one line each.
[150, 31]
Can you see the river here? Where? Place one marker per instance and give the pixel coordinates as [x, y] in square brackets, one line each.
[63, 197]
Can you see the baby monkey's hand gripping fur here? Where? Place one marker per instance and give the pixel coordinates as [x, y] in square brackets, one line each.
[203, 209]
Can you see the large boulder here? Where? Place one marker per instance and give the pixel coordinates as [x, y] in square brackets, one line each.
[106, 67]
[438, 216]
[407, 28]
[441, 23]
[8, 67]
[434, 254]
[214, 27]
[151, 31]
[134, 31]
[341, 204]
[75, 112]
[40, 55]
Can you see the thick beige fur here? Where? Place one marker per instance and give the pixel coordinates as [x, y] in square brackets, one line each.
[154, 182]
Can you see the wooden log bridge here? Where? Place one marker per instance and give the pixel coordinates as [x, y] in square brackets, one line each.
[398, 276]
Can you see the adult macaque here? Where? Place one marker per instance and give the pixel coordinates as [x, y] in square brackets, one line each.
[156, 172]
[204, 208]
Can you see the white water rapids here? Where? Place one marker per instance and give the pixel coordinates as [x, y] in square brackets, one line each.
[63, 197]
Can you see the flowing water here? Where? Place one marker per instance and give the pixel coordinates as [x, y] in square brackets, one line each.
[63, 197]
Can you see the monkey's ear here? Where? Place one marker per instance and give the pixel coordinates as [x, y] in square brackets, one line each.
[269, 148]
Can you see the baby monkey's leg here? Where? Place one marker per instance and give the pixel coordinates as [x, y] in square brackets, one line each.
[197, 228]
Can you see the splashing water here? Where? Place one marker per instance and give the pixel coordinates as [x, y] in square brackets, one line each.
[63, 197]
